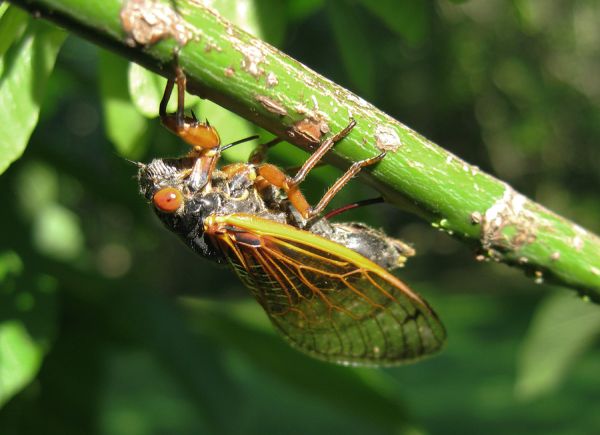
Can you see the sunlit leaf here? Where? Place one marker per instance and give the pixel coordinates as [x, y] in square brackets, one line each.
[145, 89]
[57, 233]
[562, 329]
[37, 188]
[126, 128]
[26, 67]
[13, 22]
[20, 358]
[56, 230]
[26, 323]
[10, 265]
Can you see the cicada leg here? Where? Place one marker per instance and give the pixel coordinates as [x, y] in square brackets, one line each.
[203, 138]
[200, 135]
[291, 185]
[259, 155]
[177, 119]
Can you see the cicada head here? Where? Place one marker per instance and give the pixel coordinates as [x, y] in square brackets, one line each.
[182, 208]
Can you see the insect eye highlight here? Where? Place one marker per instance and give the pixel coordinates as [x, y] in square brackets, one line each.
[168, 199]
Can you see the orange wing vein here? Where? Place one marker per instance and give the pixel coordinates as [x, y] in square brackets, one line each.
[326, 302]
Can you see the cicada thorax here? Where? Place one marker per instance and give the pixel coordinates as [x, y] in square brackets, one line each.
[183, 208]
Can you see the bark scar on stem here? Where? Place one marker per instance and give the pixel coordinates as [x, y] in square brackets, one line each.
[309, 129]
[272, 80]
[313, 126]
[507, 225]
[387, 139]
[148, 21]
[271, 105]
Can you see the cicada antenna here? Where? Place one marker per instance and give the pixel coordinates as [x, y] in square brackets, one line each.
[237, 142]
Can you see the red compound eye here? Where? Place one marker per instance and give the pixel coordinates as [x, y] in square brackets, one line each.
[168, 199]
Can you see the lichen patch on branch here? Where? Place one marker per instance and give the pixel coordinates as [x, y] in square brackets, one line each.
[476, 218]
[148, 21]
[507, 225]
[387, 139]
[253, 58]
[272, 80]
[578, 239]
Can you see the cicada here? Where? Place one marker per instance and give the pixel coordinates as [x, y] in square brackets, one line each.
[325, 286]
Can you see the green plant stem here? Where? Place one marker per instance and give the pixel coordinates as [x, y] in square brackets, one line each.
[255, 80]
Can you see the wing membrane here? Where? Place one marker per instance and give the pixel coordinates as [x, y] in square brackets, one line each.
[324, 298]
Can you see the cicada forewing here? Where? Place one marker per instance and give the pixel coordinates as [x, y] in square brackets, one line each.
[326, 299]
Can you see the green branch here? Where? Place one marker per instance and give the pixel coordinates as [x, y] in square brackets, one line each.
[255, 80]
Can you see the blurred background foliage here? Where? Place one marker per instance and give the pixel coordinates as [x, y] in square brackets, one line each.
[109, 325]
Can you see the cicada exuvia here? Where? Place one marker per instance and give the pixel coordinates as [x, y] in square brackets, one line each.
[325, 286]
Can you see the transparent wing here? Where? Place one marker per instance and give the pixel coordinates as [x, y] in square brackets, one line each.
[326, 302]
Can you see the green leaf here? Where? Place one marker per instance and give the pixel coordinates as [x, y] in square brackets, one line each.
[26, 68]
[126, 128]
[407, 18]
[146, 91]
[37, 187]
[57, 233]
[562, 329]
[27, 323]
[13, 22]
[356, 52]
[10, 265]
[20, 359]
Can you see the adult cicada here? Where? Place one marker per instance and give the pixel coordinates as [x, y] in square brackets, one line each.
[325, 286]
